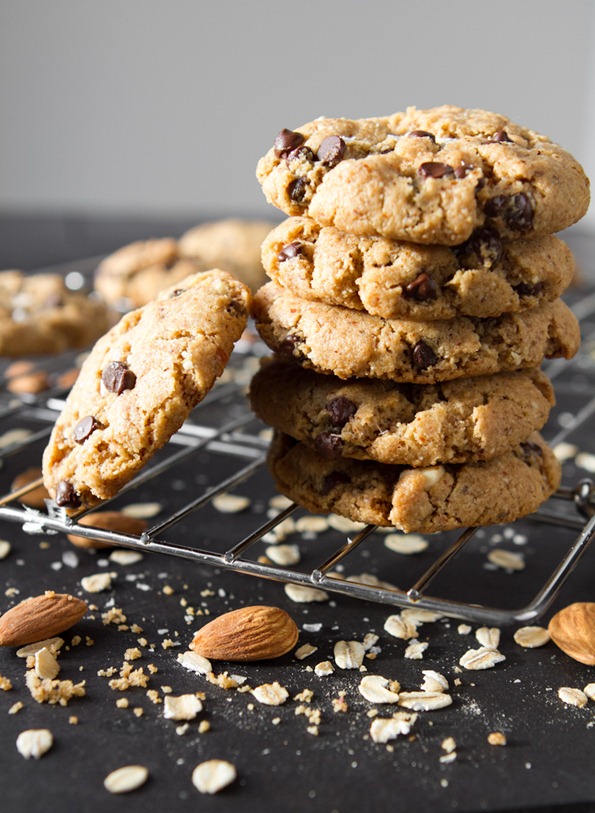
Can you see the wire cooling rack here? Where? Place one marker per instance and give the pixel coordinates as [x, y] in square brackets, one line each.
[222, 436]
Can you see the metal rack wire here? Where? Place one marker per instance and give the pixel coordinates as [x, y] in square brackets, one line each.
[241, 438]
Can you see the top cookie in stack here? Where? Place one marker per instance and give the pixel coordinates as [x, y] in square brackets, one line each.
[419, 250]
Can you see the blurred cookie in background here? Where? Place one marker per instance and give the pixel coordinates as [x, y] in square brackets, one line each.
[232, 244]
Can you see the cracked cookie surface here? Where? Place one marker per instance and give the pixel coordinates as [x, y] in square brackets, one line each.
[428, 176]
[355, 344]
[416, 425]
[139, 384]
[483, 277]
[40, 315]
[422, 500]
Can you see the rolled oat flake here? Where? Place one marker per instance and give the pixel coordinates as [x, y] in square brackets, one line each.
[126, 779]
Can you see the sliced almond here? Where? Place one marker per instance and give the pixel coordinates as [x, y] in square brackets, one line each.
[248, 634]
[40, 617]
[46, 665]
[194, 662]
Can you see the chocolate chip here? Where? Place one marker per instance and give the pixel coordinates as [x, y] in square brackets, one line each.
[66, 496]
[515, 210]
[421, 289]
[423, 356]
[434, 169]
[422, 134]
[526, 289]
[499, 137]
[116, 377]
[332, 480]
[329, 445]
[462, 170]
[529, 450]
[484, 247]
[290, 251]
[302, 153]
[289, 345]
[341, 409]
[286, 141]
[331, 151]
[177, 292]
[85, 428]
[297, 190]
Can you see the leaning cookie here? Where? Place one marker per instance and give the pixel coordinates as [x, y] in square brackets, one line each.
[139, 384]
[422, 500]
[232, 244]
[415, 425]
[428, 176]
[135, 274]
[40, 315]
[483, 277]
[354, 344]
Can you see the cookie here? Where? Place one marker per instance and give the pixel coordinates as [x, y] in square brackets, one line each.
[428, 176]
[138, 385]
[232, 244]
[354, 344]
[483, 277]
[135, 274]
[415, 425]
[422, 500]
[40, 315]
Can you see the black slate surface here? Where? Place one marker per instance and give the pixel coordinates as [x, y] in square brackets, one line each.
[547, 763]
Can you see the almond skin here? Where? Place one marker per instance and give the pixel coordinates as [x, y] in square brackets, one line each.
[573, 631]
[40, 617]
[108, 521]
[248, 634]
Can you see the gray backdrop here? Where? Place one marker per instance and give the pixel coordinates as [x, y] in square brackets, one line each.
[165, 107]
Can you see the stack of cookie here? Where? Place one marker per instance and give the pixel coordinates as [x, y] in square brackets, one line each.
[416, 290]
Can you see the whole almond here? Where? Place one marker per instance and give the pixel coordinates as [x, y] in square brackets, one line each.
[573, 630]
[108, 521]
[248, 634]
[40, 617]
[36, 497]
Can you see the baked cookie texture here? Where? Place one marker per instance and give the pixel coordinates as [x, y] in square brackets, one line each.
[139, 383]
[40, 315]
[427, 176]
[354, 344]
[405, 424]
[232, 244]
[483, 277]
[422, 500]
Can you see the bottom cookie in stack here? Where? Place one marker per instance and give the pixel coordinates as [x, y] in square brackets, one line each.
[420, 457]
[423, 500]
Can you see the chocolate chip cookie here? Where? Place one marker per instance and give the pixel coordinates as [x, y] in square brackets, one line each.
[135, 274]
[355, 344]
[483, 277]
[414, 425]
[40, 315]
[139, 384]
[428, 176]
[232, 244]
[422, 500]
